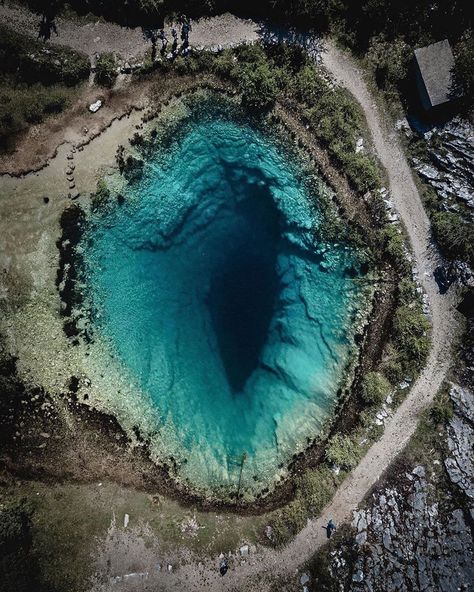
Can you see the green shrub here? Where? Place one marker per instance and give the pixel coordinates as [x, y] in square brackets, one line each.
[33, 111]
[101, 196]
[393, 368]
[363, 172]
[55, 102]
[455, 235]
[393, 244]
[389, 60]
[32, 61]
[343, 452]
[258, 86]
[21, 104]
[374, 388]
[441, 412]
[106, 69]
[410, 335]
[309, 86]
[288, 521]
[225, 64]
[316, 488]
[18, 565]
[406, 291]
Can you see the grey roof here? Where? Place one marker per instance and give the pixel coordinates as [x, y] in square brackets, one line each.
[436, 62]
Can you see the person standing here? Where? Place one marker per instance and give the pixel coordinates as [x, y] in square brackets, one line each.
[164, 40]
[330, 528]
[174, 34]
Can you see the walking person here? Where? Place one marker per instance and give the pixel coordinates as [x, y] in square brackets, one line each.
[174, 34]
[330, 528]
[224, 566]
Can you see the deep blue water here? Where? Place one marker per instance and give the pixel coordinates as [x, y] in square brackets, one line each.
[216, 295]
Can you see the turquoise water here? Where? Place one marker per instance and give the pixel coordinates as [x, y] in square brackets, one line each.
[214, 292]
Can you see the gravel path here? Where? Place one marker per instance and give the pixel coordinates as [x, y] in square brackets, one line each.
[228, 30]
[93, 36]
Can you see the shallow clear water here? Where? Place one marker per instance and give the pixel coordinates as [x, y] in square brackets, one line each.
[215, 293]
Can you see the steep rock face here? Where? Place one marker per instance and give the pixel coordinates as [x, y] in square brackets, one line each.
[450, 170]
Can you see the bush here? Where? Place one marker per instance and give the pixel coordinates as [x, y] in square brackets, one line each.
[393, 244]
[374, 388]
[410, 328]
[392, 366]
[389, 60]
[33, 111]
[258, 86]
[21, 104]
[106, 69]
[455, 235]
[316, 488]
[343, 452]
[406, 291]
[31, 61]
[55, 102]
[225, 64]
[441, 413]
[18, 566]
[309, 86]
[101, 196]
[363, 172]
[288, 521]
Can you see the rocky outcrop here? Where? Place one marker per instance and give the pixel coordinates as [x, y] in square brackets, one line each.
[416, 535]
[450, 170]
[405, 543]
[460, 462]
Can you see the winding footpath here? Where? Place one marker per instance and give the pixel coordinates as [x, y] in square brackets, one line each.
[402, 424]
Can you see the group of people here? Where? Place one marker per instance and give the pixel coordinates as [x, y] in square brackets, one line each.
[186, 28]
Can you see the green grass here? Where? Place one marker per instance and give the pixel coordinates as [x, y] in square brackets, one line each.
[22, 105]
[36, 81]
[69, 521]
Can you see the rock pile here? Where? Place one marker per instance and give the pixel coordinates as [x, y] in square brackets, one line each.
[460, 463]
[405, 544]
[451, 154]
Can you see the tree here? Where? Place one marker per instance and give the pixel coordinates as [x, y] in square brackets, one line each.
[258, 86]
[464, 65]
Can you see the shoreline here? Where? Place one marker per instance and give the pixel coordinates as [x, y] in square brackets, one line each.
[310, 457]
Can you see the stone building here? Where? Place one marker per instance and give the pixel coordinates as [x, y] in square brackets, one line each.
[433, 66]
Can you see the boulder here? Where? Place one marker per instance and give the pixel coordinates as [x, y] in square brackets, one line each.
[94, 107]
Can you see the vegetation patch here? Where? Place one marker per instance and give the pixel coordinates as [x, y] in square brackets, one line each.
[36, 81]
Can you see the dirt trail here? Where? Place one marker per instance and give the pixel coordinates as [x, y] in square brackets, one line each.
[402, 424]
[93, 35]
